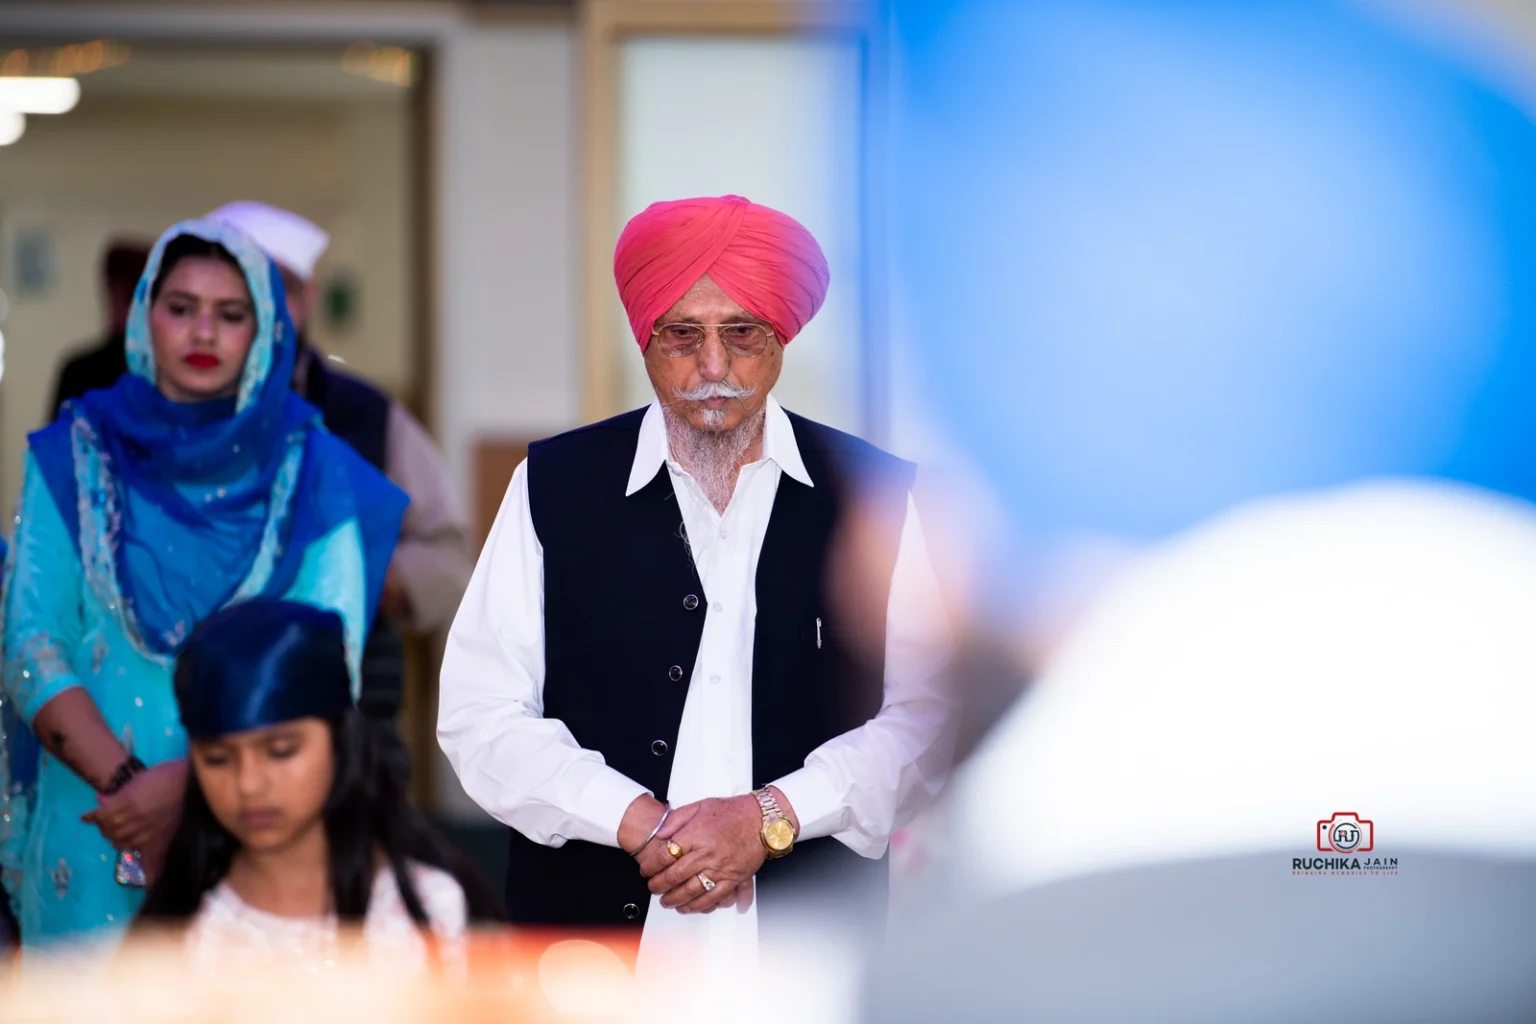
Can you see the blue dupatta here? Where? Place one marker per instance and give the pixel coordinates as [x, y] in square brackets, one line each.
[182, 508]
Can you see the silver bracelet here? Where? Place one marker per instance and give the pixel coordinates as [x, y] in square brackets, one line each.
[666, 809]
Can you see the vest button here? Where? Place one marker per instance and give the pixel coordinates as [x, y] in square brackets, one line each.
[691, 602]
[631, 911]
[675, 673]
[659, 748]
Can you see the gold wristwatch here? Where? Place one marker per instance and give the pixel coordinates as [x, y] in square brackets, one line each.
[778, 833]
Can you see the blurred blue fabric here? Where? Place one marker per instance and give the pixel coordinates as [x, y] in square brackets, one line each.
[1164, 257]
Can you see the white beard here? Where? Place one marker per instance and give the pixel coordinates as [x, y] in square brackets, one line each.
[713, 457]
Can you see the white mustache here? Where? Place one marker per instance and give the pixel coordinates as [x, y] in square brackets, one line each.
[713, 389]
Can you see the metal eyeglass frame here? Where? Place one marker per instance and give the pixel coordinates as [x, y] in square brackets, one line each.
[717, 328]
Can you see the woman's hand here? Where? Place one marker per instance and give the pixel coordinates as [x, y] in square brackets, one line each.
[395, 600]
[143, 814]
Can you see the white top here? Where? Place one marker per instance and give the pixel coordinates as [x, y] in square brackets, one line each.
[227, 926]
[529, 772]
[290, 240]
[1366, 649]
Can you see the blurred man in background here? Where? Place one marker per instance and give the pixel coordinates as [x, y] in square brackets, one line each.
[100, 365]
[432, 563]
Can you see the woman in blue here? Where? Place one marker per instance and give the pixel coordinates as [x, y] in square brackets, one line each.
[197, 481]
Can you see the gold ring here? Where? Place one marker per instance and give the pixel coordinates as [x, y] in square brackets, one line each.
[672, 848]
[708, 885]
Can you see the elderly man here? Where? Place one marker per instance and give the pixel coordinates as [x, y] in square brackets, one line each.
[648, 677]
[432, 563]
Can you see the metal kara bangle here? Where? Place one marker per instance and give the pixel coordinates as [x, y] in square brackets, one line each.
[666, 810]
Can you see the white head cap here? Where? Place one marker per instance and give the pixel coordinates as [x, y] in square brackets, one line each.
[291, 241]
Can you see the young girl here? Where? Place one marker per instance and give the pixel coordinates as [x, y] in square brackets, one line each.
[293, 824]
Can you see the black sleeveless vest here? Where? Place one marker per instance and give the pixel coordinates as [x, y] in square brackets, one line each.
[623, 618]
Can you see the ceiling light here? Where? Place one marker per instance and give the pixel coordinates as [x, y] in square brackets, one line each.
[12, 125]
[39, 95]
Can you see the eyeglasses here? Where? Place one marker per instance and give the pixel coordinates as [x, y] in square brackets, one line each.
[743, 341]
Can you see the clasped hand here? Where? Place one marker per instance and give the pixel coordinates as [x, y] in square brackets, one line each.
[143, 814]
[720, 839]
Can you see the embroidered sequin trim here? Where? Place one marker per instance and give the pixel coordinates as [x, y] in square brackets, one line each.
[99, 652]
[284, 484]
[15, 796]
[37, 661]
[101, 523]
[14, 801]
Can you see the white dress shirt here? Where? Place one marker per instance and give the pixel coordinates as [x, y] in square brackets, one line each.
[528, 771]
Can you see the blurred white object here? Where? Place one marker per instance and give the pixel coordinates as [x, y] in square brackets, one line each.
[1369, 649]
[27, 95]
[290, 240]
[13, 125]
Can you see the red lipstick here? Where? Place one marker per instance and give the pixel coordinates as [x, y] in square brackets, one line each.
[201, 361]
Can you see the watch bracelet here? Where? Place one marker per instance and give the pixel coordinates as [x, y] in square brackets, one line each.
[772, 812]
[769, 805]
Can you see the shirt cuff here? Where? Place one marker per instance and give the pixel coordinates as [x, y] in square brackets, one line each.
[816, 801]
[39, 698]
[604, 799]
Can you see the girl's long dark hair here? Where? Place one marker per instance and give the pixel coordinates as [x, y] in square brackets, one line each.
[366, 815]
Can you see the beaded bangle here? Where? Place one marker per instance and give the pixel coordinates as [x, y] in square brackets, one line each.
[125, 771]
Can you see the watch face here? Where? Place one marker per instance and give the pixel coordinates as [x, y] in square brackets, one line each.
[779, 835]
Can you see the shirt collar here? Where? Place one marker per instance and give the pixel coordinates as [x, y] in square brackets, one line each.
[779, 446]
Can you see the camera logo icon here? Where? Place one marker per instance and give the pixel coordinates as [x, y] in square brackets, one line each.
[1346, 832]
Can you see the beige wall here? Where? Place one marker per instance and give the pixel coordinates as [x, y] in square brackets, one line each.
[505, 316]
[508, 356]
[118, 167]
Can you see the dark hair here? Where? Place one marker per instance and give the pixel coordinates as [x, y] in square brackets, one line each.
[366, 814]
[123, 264]
[183, 246]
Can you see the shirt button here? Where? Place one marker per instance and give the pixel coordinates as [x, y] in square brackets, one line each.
[659, 748]
[715, 678]
[675, 673]
[690, 602]
[631, 911]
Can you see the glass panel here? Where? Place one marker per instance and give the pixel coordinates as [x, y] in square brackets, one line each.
[777, 121]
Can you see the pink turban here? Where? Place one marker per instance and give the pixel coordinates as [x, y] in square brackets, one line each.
[764, 260]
